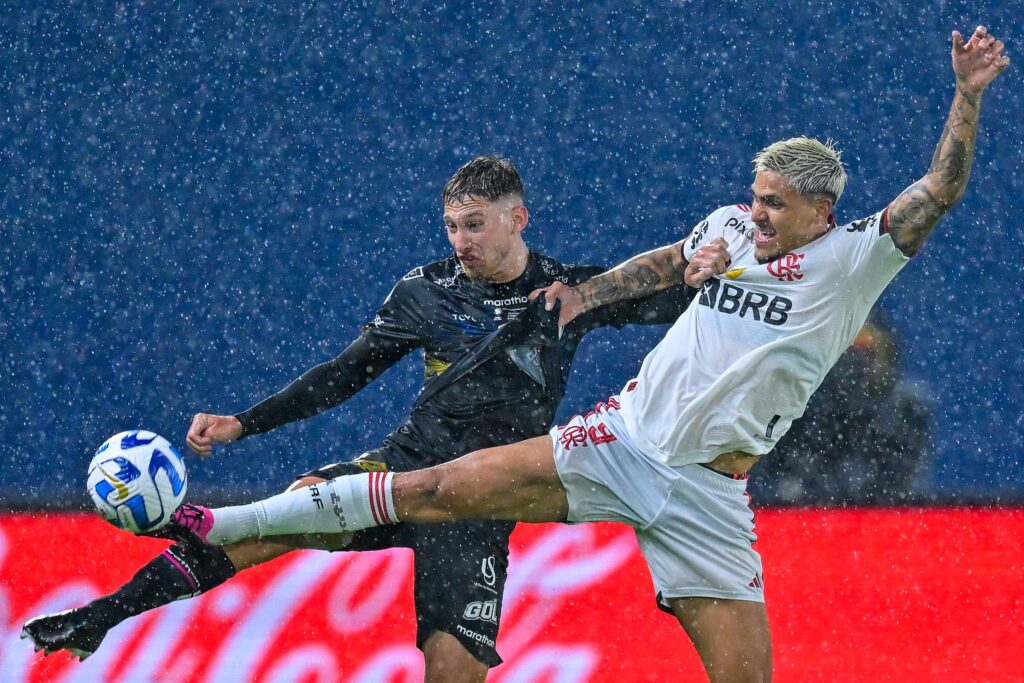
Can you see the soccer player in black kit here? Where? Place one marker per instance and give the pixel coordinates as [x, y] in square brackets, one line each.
[494, 371]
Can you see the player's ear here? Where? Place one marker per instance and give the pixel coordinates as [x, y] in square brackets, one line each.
[520, 217]
[823, 209]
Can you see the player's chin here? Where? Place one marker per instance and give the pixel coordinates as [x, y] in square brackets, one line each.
[766, 253]
[470, 265]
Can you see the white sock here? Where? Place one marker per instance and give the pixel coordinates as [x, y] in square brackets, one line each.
[348, 503]
[232, 524]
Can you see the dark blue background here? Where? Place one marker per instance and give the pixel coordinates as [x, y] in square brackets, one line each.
[202, 200]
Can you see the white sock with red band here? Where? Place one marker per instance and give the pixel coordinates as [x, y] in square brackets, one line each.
[348, 503]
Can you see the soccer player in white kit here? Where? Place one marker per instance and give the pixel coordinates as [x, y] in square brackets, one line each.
[784, 292]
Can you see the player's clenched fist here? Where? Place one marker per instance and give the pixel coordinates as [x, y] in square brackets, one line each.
[567, 297]
[207, 430]
[710, 260]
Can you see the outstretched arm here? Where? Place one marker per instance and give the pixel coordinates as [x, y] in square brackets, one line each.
[641, 275]
[318, 389]
[914, 213]
[650, 272]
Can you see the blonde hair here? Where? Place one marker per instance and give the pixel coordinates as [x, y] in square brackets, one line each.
[812, 167]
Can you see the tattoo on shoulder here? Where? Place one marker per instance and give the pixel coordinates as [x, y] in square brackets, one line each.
[916, 207]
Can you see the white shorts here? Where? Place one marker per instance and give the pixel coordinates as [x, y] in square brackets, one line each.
[694, 525]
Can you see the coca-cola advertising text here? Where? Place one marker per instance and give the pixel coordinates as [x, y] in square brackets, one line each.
[853, 595]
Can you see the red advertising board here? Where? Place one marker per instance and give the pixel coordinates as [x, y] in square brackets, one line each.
[855, 595]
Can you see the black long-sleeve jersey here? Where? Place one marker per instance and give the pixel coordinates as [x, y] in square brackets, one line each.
[494, 366]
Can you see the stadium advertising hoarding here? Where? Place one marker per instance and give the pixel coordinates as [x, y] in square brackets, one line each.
[855, 595]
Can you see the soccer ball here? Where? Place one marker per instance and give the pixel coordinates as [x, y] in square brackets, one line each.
[137, 480]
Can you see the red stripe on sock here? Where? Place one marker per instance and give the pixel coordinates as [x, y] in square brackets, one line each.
[388, 514]
[382, 498]
[388, 517]
[375, 498]
[373, 508]
[383, 494]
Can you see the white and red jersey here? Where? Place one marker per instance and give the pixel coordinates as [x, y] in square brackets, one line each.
[740, 364]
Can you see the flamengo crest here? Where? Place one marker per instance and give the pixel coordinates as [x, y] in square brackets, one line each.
[786, 267]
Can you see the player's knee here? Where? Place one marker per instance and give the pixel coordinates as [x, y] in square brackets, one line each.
[429, 495]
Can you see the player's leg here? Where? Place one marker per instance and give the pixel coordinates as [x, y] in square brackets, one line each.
[446, 660]
[731, 637]
[700, 551]
[188, 568]
[695, 529]
[517, 482]
[460, 572]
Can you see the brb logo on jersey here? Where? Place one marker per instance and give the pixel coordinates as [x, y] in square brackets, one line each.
[786, 268]
[726, 297]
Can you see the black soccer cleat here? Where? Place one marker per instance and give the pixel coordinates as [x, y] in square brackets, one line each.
[70, 630]
[188, 521]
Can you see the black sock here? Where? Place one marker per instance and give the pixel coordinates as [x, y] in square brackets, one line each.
[184, 570]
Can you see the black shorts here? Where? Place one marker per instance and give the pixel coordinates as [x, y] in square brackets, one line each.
[460, 567]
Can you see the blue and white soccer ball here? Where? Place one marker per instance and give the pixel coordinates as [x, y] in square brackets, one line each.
[137, 480]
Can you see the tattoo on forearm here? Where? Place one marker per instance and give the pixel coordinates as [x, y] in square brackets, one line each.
[951, 163]
[955, 163]
[916, 211]
[640, 276]
[968, 98]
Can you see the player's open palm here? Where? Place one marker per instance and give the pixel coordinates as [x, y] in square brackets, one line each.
[977, 62]
[206, 430]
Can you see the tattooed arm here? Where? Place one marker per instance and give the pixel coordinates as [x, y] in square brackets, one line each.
[644, 274]
[914, 213]
[647, 273]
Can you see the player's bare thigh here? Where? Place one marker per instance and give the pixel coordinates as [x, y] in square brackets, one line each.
[447, 661]
[731, 637]
[254, 551]
[517, 482]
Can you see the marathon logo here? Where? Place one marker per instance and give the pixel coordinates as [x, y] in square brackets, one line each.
[726, 297]
[510, 301]
[473, 635]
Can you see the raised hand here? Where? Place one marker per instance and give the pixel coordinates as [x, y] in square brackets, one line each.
[915, 212]
[977, 62]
